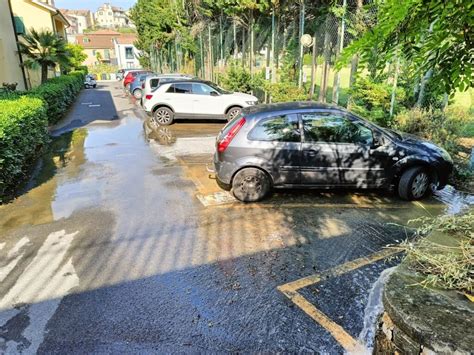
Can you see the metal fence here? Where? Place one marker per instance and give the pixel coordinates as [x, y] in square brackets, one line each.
[271, 48]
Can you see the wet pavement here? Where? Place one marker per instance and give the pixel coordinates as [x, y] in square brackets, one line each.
[123, 243]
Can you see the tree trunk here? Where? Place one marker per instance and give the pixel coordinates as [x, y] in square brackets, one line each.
[44, 73]
[324, 77]
[421, 93]
[244, 44]
[251, 52]
[355, 58]
[236, 48]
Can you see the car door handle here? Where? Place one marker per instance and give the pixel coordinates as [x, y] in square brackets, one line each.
[311, 153]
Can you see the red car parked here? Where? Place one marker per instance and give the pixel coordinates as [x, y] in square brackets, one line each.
[130, 77]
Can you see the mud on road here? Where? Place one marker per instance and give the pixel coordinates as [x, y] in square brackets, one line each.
[122, 242]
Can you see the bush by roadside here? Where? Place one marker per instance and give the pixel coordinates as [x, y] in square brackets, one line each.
[23, 132]
[24, 120]
[58, 94]
[446, 128]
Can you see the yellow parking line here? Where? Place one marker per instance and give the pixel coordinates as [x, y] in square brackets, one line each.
[290, 290]
[338, 333]
[339, 270]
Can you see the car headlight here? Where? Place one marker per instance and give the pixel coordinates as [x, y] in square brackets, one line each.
[445, 155]
[251, 103]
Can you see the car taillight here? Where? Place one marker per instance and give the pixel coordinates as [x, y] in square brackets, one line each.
[148, 97]
[225, 141]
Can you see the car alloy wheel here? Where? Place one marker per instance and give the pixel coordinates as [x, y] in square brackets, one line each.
[137, 93]
[420, 185]
[233, 113]
[251, 184]
[162, 117]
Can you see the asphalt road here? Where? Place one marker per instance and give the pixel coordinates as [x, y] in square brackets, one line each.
[122, 243]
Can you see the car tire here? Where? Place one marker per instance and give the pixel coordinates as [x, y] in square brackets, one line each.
[250, 185]
[137, 93]
[163, 116]
[233, 112]
[95, 85]
[87, 86]
[414, 184]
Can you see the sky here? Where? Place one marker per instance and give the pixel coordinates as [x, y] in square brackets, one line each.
[91, 4]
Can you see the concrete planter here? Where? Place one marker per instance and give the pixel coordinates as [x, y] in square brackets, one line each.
[420, 320]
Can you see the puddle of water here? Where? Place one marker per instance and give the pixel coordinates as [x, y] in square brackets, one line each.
[373, 309]
[454, 200]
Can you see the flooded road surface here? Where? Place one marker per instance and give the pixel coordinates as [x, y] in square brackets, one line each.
[122, 243]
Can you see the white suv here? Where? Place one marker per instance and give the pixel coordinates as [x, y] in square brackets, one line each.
[153, 81]
[194, 99]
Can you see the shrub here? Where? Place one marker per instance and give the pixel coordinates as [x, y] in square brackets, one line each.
[58, 93]
[24, 118]
[372, 100]
[442, 127]
[445, 128]
[239, 79]
[281, 92]
[23, 131]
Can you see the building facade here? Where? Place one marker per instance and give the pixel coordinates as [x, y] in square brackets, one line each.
[126, 52]
[99, 46]
[83, 19]
[39, 15]
[11, 70]
[109, 16]
[109, 47]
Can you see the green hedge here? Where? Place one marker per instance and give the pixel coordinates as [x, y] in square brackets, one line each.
[24, 120]
[59, 93]
[23, 131]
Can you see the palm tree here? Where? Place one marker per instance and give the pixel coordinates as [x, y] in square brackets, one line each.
[44, 49]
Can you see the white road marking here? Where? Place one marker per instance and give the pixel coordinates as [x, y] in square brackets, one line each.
[13, 253]
[95, 105]
[216, 198]
[186, 146]
[86, 103]
[39, 290]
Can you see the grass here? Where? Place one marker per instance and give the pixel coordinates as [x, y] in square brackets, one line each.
[464, 99]
[469, 130]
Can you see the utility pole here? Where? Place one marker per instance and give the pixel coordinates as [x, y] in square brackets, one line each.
[301, 32]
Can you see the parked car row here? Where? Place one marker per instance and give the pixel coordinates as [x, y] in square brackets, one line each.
[293, 145]
[167, 97]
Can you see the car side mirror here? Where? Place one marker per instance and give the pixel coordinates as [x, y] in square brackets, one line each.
[214, 93]
[377, 140]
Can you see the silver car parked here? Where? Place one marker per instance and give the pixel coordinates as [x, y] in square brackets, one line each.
[306, 144]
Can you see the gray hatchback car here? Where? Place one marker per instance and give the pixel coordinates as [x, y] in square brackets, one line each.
[306, 144]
